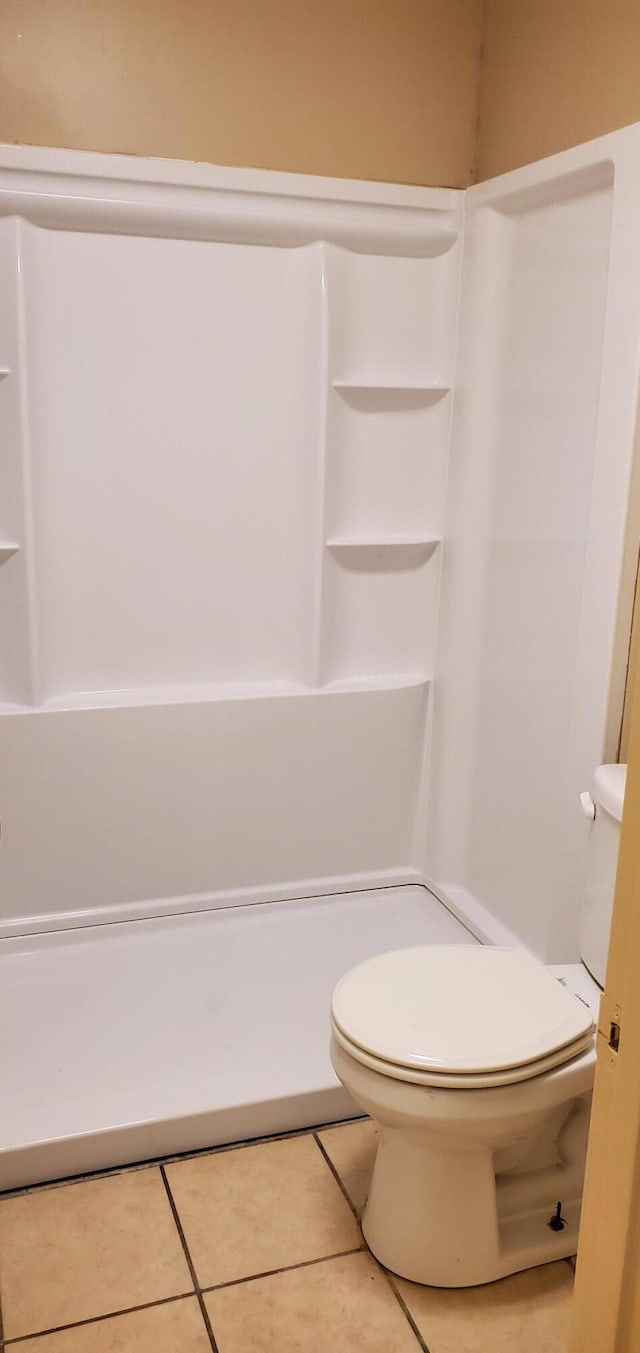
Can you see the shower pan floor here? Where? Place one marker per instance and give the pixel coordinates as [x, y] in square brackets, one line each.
[148, 1038]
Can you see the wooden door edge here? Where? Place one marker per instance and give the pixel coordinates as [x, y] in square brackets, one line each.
[606, 1313]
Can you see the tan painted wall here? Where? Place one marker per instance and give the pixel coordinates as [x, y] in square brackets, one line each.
[380, 89]
[555, 73]
[384, 89]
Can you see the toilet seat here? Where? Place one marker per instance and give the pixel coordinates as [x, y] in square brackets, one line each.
[442, 1081]
[463, 1017]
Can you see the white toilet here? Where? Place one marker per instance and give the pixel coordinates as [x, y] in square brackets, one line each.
[477, 1065]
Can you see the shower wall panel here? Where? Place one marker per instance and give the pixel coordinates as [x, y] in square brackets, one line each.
[172, 398]
[153, 808]
[225, 413]
[538, 496]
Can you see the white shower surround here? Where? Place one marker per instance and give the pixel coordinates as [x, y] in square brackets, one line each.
[263, 517]
[210, 558]
[541, 535]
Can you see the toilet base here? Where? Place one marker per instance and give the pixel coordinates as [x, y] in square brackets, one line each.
[445, 1219]
[466, 1182]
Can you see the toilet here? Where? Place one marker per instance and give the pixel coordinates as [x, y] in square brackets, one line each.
[477, 1064]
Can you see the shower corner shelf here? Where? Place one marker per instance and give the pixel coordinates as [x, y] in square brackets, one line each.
[7, 549]
[417, 392]
[370, 552]
[4, 371]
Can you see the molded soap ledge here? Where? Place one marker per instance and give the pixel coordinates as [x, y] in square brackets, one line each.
[209, 693]
[393, 392]
[7, 549]
[388, 552]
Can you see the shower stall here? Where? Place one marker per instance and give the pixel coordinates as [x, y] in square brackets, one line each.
[318, 536]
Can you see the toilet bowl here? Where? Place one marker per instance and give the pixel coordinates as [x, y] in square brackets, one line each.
[483, 1123]
[477, 1065]
[479, 1138]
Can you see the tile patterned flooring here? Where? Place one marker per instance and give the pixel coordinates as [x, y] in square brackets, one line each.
[248, 1249]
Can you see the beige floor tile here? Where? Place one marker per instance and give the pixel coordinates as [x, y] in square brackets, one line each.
[260, 1208]
[352, 1149]
[342, 1305]
[87, 1249]
[529, 1312]
[175, 1328]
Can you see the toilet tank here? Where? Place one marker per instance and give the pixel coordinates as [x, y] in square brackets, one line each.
[604, 807]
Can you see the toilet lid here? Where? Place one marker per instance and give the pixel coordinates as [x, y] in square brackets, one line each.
[457, 1008]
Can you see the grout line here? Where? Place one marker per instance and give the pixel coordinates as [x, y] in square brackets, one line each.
[97, 1319]
[194, 1278]
[335, 1174]
[403, 1307]
[154, 1161]
[288, 1268]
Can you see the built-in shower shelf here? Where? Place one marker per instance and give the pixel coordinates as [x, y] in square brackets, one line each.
[187, 693]
[7, 549]
[423, 392]
[213, 692]
[372, 552]
[4, 371]
[389, 681]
